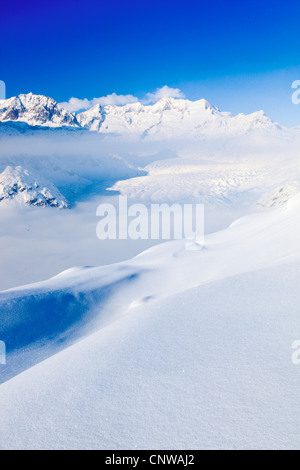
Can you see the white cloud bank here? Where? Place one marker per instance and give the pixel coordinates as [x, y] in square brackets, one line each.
[164, 92]
[75, 105]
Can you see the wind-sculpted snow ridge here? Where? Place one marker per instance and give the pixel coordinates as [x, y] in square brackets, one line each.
[36, 110]
[173, 349]
[51, 315]
[28, 187]
[280, 196]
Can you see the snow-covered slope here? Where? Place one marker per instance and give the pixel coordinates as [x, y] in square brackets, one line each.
[36, 110]
[172, 118]
[280, 196]
[133, 357]
[28, 187]
[209, 368]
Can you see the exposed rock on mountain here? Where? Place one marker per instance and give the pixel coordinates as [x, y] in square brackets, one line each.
[36, 110]
[172, 118]
[28, 187]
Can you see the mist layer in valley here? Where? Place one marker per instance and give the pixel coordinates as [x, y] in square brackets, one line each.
[232, 177]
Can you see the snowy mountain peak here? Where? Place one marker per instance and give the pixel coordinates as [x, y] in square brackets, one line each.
[36, 110]
[28, 187]
[171, 118]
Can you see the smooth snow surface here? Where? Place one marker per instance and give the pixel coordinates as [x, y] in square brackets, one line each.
[174, 375]
[134, 358]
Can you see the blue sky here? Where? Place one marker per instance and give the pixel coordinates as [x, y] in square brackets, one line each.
[241, 56]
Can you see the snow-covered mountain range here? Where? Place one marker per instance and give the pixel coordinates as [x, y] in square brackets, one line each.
[168, 118]
[61, 149]
[171, 118]
[36, 110]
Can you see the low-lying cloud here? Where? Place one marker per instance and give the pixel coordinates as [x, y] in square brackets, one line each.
[75, 105]
[164, 92]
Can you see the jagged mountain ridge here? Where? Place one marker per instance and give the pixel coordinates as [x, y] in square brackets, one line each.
[26, 186]
[168, 118]
[36, 110]
[172, 118]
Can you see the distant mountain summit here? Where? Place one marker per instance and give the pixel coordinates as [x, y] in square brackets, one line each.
[36, 110]
[26, 186]
[169, 118]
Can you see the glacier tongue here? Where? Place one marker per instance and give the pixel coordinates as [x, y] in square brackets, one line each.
[28, 187]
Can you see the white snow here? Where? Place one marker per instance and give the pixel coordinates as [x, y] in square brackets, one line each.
[133, 358]
[35, 110]
[166, 348]
[27, 187]
[171, 118]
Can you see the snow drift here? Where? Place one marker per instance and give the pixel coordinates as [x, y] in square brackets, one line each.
[134, 335]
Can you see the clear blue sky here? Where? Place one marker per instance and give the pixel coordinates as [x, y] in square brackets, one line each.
[240, 55]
